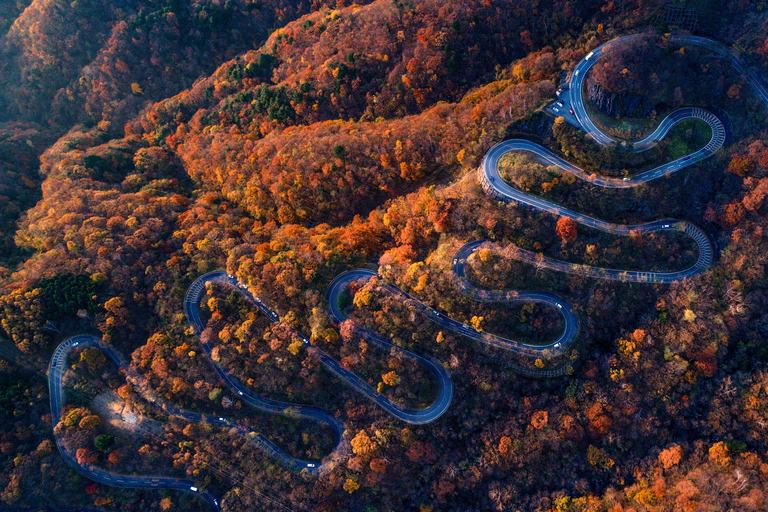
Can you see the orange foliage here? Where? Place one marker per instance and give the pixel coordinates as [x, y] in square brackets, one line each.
[566, 229]
[670, 456]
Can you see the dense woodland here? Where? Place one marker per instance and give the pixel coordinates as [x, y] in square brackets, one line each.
[145, 142]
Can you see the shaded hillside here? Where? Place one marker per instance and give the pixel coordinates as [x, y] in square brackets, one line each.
[79, 61]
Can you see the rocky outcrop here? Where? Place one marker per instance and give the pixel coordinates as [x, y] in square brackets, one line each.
[623, 104]
[538, 124]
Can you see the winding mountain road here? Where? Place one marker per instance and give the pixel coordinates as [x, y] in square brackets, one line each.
[57, 399]
[754, 79]
[495, 186]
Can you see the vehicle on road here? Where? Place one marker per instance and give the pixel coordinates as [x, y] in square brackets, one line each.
[556, 109]
[571, 111]
[560, 104]
[576, 73]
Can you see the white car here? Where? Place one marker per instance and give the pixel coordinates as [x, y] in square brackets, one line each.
[556, 109]
[576, 73]
[193, 489]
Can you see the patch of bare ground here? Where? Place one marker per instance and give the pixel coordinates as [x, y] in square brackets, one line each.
[119, 418]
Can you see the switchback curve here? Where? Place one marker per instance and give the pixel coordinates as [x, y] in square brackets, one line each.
[496, 187]
[56, 391]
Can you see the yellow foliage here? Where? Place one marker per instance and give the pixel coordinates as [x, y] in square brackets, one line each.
[422, 283]
[413, 268]
[90, 422]
[460, 156]
[719, 453]
[113, 304]
[391, 378]
[362, 444]
[626, 347]
[136, 89]
[518, 72]
[294, 347]
[645, 497]
[689, 316]
[563, 504]
[363, 297]
[351, 486]
[484, 255]
[599, 458]
[73, 417]
[476, 322]
[330, 335]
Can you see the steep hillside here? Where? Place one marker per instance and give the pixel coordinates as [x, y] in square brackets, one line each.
[145, 143]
